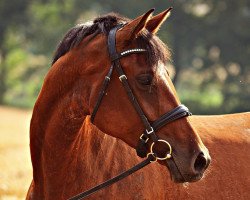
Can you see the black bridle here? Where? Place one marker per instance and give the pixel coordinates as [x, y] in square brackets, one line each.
[150, 128]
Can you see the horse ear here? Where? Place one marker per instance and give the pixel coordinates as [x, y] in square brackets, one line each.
[155, 22]
[133, 28]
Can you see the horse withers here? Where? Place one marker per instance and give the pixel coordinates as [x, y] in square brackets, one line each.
[137, 96]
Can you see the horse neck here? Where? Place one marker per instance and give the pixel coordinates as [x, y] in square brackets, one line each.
[58, 115]
[62, 138]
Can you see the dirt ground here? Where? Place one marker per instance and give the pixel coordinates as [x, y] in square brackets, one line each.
[15, 163]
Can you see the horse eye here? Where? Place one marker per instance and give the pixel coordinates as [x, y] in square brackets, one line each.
[145, 79]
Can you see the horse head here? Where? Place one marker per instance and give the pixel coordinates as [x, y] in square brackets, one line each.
[143, 74]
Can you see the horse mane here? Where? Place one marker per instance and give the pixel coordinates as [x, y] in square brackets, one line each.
[157, 50]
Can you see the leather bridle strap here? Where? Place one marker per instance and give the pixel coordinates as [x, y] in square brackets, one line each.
[116, 61]
[114, 56]
[176, 113]
[121, 176]
[149, 133]
[102, 92]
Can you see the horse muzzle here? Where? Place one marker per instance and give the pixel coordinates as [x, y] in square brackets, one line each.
[196, 171]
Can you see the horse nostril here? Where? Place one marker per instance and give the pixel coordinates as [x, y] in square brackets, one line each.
[201, 163]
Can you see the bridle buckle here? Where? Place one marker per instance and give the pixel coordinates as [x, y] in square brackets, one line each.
[122, 77]
[107, 78]
[144, 138]
[150, 131]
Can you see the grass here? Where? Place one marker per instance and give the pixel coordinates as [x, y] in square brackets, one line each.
[15, 163]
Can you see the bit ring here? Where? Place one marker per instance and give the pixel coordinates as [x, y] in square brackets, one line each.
[168, 155]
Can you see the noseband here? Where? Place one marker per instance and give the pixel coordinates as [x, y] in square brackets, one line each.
[150, 128]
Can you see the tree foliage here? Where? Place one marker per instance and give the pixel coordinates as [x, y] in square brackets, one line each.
[210, 41]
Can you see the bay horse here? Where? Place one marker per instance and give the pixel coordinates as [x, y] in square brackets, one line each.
[69, 155]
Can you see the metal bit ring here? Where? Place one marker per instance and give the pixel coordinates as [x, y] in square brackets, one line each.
[168, 155]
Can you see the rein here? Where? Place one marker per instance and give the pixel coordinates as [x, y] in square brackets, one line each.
[121, 176]
[150, 128]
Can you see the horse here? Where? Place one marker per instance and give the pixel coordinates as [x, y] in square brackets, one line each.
[69, 156]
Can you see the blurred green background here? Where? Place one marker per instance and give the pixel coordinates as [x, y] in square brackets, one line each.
[210, 42]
